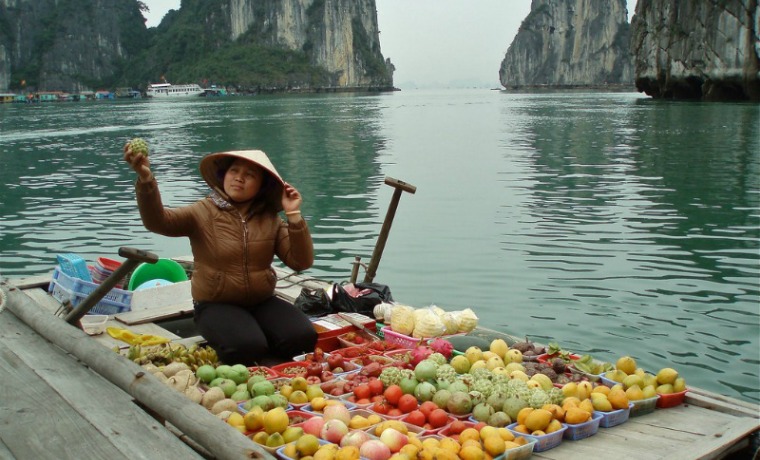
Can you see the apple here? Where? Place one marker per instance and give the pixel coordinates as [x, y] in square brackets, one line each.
[355, 438]
[313, 426]
[375, 449]
[394, 439]
[337, 412]
[333, 431]
[314, 369]
[335, 360]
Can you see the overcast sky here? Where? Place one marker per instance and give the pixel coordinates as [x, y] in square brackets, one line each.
[436, 43]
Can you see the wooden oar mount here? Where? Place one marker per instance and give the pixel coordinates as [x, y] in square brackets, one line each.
[134, 257]
[400, 187]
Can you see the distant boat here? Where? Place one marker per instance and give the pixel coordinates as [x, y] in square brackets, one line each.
[164, 90]
[214, 91]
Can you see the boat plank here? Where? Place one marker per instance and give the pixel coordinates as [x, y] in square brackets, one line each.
[721, 404]
[78, 405]
[42, 297]
[155, 314]
[700, 434]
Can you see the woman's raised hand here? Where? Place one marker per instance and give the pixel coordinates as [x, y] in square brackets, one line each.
[138, 162]
[291, 199]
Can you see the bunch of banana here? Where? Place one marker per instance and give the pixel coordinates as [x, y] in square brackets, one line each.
[161, 355]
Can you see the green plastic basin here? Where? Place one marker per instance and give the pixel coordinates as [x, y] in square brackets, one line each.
[164, 269]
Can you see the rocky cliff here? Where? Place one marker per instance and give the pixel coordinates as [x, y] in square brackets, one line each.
[340, 36]
[66, 44]
[697, 49]
[570, 43]
[76, 44]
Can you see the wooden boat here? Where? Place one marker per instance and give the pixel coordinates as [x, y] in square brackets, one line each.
[83, 401]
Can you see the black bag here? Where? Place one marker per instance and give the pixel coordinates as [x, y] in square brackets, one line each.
[370, 294]
[313, 302]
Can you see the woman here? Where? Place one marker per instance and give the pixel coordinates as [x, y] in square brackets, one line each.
[234, 234]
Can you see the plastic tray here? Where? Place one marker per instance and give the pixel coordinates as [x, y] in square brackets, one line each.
[280, 451]
[354, 352]
[429, 431]
[445, 431]
[380, 359]
[64, 287]
[280, 368]
[347, 343]
[307, 408]
[346, 398]
[671, 400]
[644, 406]
[545, 442]
[418, 430]
[244, 411]
[545, 357]
[615, 417]
[267, 372]
[607, 382]
[74, 266]
[518, 453]
[583, 430]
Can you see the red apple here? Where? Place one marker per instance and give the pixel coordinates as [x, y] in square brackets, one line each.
[375, 449]
[333, 431]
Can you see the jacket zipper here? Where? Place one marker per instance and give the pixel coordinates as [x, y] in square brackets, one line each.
[245, 254]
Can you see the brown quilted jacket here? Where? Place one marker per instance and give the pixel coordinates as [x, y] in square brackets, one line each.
[233, 255]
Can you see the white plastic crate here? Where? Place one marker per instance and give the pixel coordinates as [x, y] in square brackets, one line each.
[64, 287]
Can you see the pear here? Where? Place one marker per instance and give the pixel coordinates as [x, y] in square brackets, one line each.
[667, 375]
[626, 364]
[275, 440]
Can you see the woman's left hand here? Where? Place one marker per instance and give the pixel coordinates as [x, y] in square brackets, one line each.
[291, 198]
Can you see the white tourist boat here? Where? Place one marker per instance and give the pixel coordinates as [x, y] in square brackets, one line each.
[164, 90]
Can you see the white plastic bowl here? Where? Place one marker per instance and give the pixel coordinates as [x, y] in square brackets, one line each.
[94, 324]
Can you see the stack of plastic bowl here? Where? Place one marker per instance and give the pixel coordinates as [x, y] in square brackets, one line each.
[103, 269]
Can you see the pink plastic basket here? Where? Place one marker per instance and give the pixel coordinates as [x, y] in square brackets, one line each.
[400, 339]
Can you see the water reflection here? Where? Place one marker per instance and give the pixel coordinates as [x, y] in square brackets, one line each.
[628, 213]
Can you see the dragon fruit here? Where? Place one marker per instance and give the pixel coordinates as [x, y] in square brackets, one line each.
[419, 353]
[443, 347]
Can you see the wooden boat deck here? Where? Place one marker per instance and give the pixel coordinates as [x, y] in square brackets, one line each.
[49, 392]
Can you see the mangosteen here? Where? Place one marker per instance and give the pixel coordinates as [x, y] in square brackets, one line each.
[559, 366]
[549, 372]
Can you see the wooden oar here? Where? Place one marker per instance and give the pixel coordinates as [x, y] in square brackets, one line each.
[134, 257]
[400, 187]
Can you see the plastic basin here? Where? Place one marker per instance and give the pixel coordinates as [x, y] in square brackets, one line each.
[164, 269]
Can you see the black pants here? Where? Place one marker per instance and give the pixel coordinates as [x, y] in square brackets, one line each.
[270, 333]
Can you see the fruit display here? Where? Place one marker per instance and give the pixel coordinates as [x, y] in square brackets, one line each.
[418, 402]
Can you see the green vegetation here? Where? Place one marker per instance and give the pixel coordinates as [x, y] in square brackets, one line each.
[369, 54]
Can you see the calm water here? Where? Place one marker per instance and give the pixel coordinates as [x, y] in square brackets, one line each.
[610, 223]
